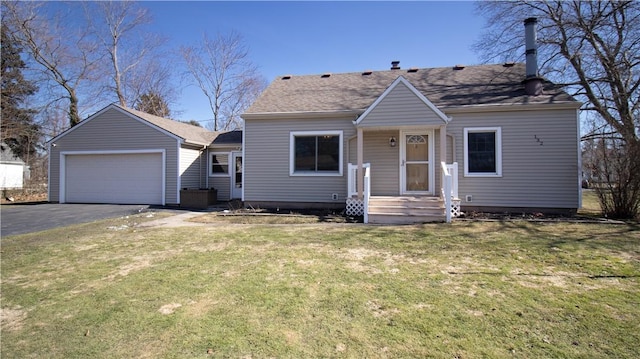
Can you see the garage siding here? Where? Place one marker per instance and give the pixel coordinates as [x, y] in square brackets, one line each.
[113, 130]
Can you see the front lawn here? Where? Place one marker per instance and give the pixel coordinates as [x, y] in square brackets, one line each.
[508, 289]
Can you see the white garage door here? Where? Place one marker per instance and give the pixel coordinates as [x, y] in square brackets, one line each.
[114, 178]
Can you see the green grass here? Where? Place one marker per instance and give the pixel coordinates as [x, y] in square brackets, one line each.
[498, 290]
[590, 204]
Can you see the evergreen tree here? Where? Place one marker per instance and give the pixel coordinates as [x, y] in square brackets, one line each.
[152, 103]
[18, 129]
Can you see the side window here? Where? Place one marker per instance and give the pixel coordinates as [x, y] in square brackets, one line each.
[219, 164]
[483, 152]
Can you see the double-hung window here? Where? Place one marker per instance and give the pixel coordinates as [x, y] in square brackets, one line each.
[315, 153]
[219, 164]
[483, 152]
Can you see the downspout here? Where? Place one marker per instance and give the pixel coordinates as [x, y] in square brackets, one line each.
[205, 170]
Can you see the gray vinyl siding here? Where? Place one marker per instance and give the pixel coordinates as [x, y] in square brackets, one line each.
[113, 130]
[191, 168]
[266, 151]
[401, 107]
[384, 160]
[222, 185]
[534, 175]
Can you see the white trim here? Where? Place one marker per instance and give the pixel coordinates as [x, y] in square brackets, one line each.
[579, 149]
[121, 110]
[292, 136]
[63, 161]
[430, 162]
[210, 164]
[512, 107]
[178, 174]
[244, 159]
[232, 177]
[49, 175]
[301, 114]
[394, 84]
[498, 144]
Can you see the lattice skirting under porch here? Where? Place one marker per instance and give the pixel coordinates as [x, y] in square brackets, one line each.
[355, 207]
[455, 208]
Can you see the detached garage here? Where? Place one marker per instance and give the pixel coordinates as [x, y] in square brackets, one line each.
[124, 156]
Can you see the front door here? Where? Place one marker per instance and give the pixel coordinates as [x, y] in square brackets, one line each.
[236, 175]
[416, 168]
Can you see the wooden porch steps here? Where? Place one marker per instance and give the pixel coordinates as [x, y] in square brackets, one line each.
[405, 209]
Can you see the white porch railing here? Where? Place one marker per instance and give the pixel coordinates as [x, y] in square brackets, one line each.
[450, 189]
[352, 178]
[367, 192]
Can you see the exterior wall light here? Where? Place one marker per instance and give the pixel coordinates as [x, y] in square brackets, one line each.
[392, 142]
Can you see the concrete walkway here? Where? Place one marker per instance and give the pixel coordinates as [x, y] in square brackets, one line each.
[178, 220]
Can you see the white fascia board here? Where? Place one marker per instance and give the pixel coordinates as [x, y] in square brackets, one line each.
[301, 114]
[513, 107]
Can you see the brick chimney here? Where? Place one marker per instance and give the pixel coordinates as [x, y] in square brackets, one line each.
[532, 83]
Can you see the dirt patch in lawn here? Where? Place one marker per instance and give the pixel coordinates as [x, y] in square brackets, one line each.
[276, 216]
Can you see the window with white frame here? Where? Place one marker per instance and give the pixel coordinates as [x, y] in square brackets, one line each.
[315, 153]
[219, 164]
[483, 152]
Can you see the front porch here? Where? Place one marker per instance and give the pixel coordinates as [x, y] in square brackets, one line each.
[403, 209]
[399, 149]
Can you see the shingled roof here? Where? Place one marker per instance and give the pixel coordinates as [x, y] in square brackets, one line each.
[445, 87]
[190, 133]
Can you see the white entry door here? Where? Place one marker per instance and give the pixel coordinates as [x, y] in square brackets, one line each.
[236, 175]
[416, 167]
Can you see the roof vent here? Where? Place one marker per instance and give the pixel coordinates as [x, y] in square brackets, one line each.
[325, 75]
[509, 64]
[458, 67]
[413, 69]
[367, 72]
[286, 77]
[395, 65]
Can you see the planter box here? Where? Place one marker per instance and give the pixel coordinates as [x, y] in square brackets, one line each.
[198, 198]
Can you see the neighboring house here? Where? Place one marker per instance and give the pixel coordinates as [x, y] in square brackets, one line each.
[13, 170]
[380, 139]
[120, 155]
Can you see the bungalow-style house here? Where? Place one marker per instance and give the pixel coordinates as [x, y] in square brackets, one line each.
[120, 155]
[417, 144]
[396, 146]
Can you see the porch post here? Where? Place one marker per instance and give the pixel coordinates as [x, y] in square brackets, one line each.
[443, 150]
[359, 171]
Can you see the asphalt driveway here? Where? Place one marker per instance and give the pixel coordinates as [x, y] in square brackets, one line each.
[26, 218]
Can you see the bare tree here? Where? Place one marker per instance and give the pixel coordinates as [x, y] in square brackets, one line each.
[130, 49]
[67, 56]
[592, 48]
[222, 70]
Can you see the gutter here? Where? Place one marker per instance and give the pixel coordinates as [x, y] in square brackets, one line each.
[301, 114]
